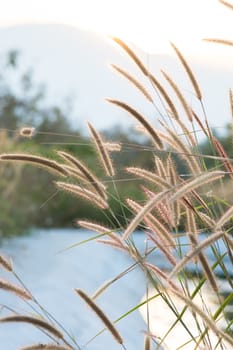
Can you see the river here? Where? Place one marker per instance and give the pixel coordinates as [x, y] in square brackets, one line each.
[51, 272]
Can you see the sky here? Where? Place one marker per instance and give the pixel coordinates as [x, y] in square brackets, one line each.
[150, 24]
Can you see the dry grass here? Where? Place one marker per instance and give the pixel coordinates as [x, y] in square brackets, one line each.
[34, 321]
[170, 199]
[112, 329]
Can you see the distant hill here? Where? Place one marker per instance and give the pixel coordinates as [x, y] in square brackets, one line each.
[74, 62]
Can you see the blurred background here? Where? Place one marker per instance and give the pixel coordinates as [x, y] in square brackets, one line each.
[55, 74]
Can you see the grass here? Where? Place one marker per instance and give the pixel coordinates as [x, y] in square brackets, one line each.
[170, 201]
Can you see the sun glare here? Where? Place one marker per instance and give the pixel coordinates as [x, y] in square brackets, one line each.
[150, 24]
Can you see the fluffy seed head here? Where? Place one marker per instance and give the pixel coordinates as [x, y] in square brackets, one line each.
[5, 263]
[10, 287]
[101, 315]
[27, 132]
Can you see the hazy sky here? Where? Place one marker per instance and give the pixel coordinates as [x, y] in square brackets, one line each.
[148, 23]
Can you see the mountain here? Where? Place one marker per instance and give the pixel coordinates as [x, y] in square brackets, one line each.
[74, 62]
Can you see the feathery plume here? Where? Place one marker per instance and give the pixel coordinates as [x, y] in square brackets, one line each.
[113, 243]
[191, 228]
[130, 52]
[163, 247]
[191, 223]
[198, 181]
[91, 178]
[188, 71]
[144, 211]
[110, 326]
[162, 274]
[160, 167]
[171, 141]
[75, 172]
[45, 347]
[227, 4]
[164, 94]
[198, 248]
[83, 192]
[175, 142]
[10, 287]
[187, 133]
[207, 220]
[219, 41]
[100, 229]
[5, 263]
[180, 96]
[134, 81]
[198, 120]
[192, 234]
[34, 321]
[154, 224]
[94, 227]
[40, 161]
[102, 151]
[207, 270]
[148, 175]
[141, 119]
[174, 213]
[164, 211]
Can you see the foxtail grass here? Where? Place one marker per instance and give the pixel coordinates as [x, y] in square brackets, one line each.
[102, 151]
[173, 205]
[5, 263]
[189, 71]
[219, 41]
[198, 181]
[35, 322]
[180, 96]
[10, 287]
[90, 177]
[134, 81]
[84, 193]
[49, 164]
[93, 226]
[110, 326]
[227, 4]
[45, 347]
[151, 131]
[198, 249]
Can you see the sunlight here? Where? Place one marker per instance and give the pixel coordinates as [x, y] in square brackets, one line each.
[150, 24]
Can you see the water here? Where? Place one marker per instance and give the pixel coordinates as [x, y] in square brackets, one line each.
[51, 274]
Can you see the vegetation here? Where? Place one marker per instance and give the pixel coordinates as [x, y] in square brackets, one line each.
[37, 207]
[26, 108]
[167, 200]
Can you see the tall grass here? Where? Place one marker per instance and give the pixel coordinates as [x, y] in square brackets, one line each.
[171, 202]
